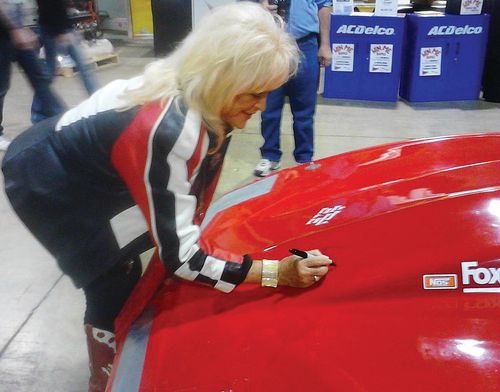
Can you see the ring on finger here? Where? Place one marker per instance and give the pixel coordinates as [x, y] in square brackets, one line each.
[316, 278]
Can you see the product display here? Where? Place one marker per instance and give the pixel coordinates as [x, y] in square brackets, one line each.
[366, 57]
[443, 57]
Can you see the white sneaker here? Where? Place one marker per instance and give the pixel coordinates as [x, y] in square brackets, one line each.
[4, 142]
[265, 167]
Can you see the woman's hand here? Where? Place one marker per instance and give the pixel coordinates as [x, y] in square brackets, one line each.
[294, 271]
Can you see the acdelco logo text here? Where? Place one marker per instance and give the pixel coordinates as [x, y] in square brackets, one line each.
[455, 30]
[360, 29]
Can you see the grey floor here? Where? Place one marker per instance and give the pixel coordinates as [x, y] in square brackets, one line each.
[42, 345]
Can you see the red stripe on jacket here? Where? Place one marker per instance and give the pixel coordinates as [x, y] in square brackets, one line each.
[195, 160]
[130, 154]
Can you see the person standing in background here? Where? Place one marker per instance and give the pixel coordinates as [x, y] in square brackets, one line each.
[309, 23]
[19, 43]
[56, 32]
[491, 76]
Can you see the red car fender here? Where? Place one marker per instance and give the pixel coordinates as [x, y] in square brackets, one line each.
[413, 304]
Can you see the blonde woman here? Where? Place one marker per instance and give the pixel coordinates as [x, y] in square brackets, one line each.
[157, 142]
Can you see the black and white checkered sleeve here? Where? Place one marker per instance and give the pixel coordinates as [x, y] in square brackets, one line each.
[220, 274]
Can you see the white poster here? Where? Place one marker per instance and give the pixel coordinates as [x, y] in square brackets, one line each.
[386, 7]
[381, 58]
[430, 61]
[342, 57]
[471, 7]
[342, 7]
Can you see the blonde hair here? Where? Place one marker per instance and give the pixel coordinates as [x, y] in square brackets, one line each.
[237, 48]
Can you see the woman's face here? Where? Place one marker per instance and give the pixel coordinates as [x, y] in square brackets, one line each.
[243, 107]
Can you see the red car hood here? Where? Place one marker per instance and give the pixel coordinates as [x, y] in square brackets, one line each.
[413, 304]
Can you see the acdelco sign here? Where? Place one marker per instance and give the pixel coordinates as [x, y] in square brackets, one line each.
[455, 30]
[361, 29]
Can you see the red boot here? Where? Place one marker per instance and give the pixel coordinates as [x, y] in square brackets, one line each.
[101, 345]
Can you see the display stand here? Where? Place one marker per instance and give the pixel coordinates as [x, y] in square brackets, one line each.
[444, 57]
[366, 60]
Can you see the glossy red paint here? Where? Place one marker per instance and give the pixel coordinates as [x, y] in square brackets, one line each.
[400, 312]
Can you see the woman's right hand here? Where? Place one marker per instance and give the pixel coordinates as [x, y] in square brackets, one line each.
[295, 271]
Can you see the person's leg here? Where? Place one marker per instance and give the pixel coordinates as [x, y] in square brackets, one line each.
[49, 43]
[302, 93]
[270, 129]
[50, 47]
[105, 297]
[5, 69]
[84, 68]
[39, 78]
[491, 75]
[271, 123]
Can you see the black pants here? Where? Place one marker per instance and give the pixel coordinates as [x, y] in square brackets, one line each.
[106, 295]
[491, 76]
[34, 70]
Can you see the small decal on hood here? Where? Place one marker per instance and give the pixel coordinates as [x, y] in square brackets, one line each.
[324, 215]
[443, 281]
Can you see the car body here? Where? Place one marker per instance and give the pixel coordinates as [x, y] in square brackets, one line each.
[412, 305]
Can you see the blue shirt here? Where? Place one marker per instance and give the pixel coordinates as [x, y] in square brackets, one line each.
[303, 17]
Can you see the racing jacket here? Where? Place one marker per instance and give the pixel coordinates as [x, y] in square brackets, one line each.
[151, 165]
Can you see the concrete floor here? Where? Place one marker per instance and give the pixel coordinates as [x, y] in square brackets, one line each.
[42, 345]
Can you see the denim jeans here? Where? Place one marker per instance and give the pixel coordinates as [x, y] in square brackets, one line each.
[52, 48]
[50, 105]
[302, 92]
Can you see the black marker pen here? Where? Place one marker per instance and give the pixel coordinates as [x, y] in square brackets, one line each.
[299, 253]
[304, 255]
